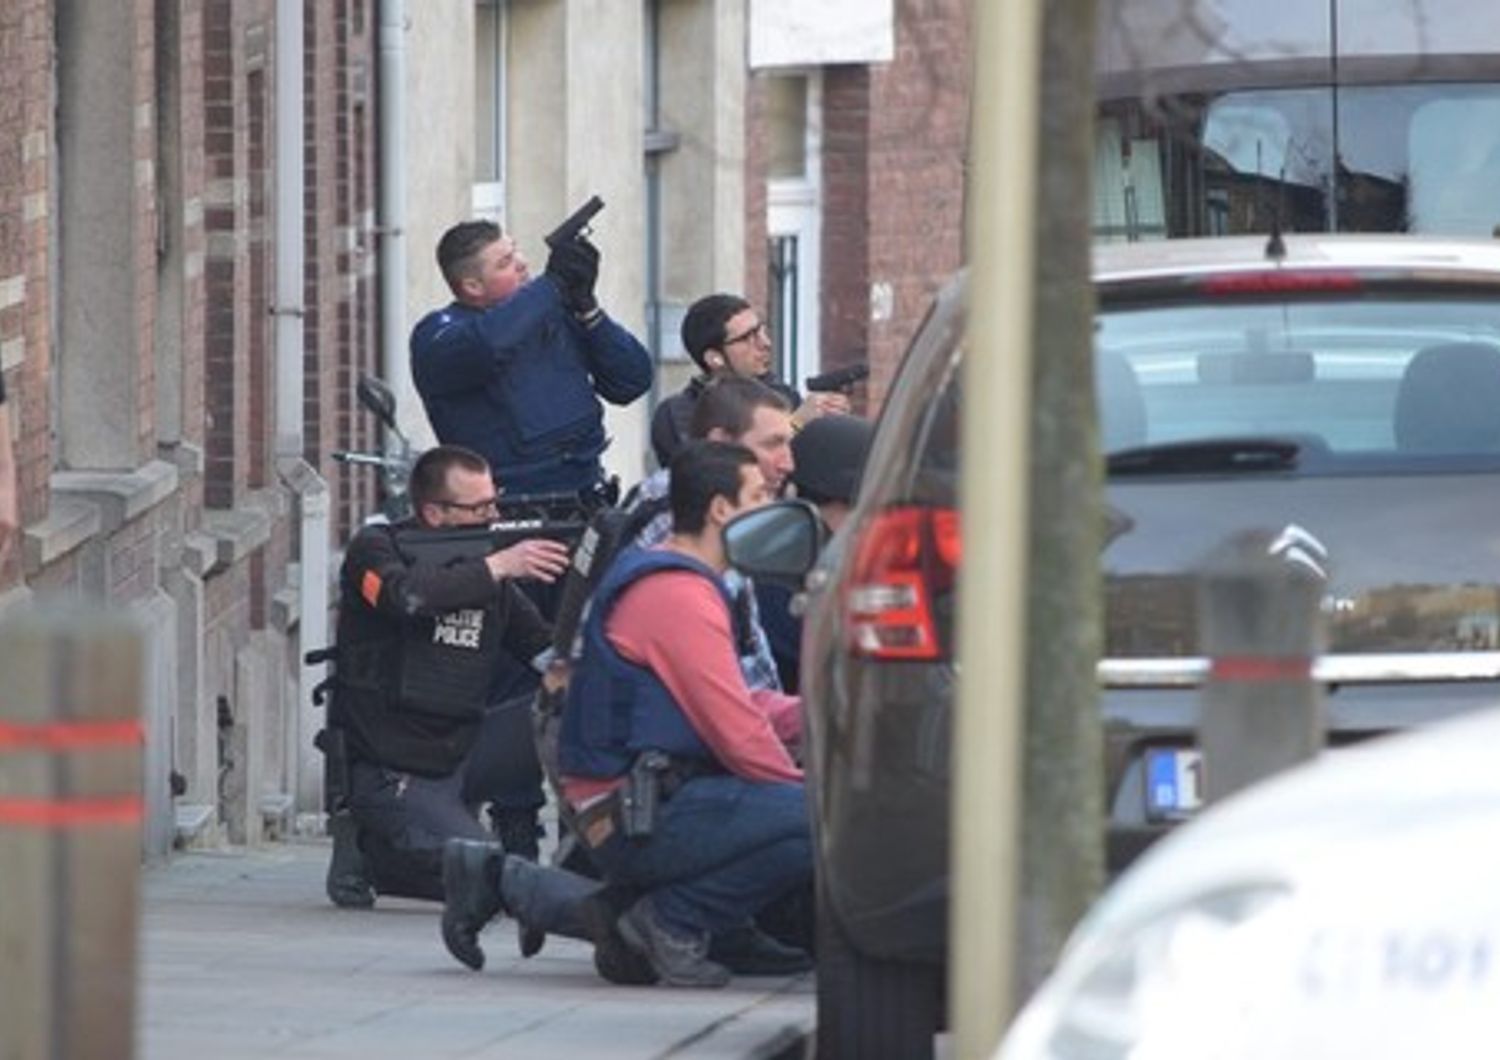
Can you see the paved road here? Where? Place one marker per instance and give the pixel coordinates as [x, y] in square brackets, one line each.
[243, 957]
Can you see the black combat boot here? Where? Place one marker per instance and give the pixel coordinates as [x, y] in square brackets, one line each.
[471, 896]
[747, 950]
[679, 959]
[348, 883]
[520, 833]
[615, 960]
[517, 877]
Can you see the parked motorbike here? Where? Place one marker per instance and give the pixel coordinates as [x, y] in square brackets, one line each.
[395, 459]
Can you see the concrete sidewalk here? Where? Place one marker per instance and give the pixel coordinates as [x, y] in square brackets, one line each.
[242, 956]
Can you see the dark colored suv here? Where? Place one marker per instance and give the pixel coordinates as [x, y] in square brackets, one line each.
[1347, 390]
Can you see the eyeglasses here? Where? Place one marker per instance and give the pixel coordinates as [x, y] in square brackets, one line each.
[488, 506]
[757, 332]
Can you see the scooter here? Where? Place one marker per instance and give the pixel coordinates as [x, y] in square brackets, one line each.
[394, 461]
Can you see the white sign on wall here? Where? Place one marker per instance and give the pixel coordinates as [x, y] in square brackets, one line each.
[819, 32]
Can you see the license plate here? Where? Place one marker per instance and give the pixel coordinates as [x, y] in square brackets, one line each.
[1174, 782]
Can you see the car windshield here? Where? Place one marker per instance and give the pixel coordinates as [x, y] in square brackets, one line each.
[1306, 386]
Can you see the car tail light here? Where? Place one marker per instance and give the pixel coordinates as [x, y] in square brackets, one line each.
[903, 557]
[1280, 281]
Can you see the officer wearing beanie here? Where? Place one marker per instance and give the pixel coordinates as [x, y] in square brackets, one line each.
[725, 336]
[828, 459]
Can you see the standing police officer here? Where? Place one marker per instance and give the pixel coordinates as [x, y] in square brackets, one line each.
[515, 369]
[418, 643]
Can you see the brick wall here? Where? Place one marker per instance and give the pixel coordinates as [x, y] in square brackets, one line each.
[757, 152]
[894, 141]
[132, 569]
[358, 334]
[144, 151]
[918, 140]
[342, 334]
[227, 270]
[25, 255]
[848, 161]
[191, 117]
[362, 353]
[200, 269]
[130, 572]
[320, 219]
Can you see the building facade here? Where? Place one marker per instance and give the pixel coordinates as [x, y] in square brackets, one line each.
[857, 139]
[164, 472]
[810, 156]
[215, 215]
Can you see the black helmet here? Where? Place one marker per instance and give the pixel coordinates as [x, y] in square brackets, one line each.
[830, 454]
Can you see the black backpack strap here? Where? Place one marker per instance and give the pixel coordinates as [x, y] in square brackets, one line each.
[609, 531]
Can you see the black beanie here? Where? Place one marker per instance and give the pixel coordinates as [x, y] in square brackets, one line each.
[829, 455]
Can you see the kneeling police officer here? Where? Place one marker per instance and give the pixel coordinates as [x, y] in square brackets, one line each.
[418, 642]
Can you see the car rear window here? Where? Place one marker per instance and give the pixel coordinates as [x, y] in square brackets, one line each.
[1351, 381]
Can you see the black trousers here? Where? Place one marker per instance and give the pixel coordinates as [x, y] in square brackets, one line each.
[405, 819]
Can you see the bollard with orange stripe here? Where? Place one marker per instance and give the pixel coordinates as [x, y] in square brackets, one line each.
[70, 822]
[1260, 624]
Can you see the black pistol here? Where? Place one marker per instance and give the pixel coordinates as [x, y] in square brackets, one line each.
[841, 380]
[574, 224]
[641, 795]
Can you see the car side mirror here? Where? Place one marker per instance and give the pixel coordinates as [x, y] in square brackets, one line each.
[778, 542]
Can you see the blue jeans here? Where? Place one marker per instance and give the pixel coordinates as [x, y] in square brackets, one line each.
[722, 849]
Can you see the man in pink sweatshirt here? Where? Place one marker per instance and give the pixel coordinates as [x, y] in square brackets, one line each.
[658, 710]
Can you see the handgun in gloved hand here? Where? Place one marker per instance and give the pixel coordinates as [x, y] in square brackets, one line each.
[574, 266]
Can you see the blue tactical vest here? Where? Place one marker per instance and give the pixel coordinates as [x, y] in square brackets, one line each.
[521, 382]
[616, 709]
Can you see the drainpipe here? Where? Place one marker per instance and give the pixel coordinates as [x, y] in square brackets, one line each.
[304, 767]
[394, 368]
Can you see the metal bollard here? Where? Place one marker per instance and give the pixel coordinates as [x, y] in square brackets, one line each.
[70, 821]
[1260, 624]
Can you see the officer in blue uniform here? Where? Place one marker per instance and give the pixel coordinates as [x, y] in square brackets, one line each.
[515, 369]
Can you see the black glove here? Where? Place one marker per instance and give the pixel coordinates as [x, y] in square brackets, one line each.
[574, 266]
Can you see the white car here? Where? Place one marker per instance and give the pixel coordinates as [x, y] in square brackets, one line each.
[1347, 909]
